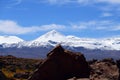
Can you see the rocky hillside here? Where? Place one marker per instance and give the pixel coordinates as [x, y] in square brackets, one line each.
[70, 66]
[17, 68]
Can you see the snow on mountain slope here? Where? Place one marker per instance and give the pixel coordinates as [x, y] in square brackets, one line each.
[111, 43]
[83, 42]
[53, 38]
[9, 39]
[52, 35]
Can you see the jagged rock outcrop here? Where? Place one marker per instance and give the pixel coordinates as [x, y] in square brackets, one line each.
[62, 64]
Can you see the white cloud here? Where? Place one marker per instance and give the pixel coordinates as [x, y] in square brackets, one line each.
[59, 1]
[16, 2]
[90, 25]
[52, 26]
[79, 26]
[110, 1]
[11, 27]
[83, 1]
[116, 28]
[104, 25]
[106, 14]
[11, 3]
[103, 5]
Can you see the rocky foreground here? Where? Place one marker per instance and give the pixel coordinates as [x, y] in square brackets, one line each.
[60, 64]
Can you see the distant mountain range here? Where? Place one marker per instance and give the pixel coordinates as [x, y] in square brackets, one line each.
[92, 48]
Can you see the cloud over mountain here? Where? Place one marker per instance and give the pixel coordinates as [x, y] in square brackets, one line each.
[105, 25]
[12, 27]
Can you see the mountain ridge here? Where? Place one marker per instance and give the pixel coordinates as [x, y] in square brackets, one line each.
[10, 39]
[53, 38]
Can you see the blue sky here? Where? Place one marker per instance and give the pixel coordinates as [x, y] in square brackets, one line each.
[29, 19]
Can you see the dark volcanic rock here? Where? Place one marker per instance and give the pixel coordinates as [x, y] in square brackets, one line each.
[118, 64]
[2, 76]
[62, 64]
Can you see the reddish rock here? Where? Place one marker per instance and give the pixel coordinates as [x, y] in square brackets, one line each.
[62, 64]
[104, 70]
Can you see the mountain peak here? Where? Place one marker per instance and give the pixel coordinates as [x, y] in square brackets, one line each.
[52, 35]
[53, 31]
[9, 39]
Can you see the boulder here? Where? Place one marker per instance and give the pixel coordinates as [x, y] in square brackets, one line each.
[62, 64]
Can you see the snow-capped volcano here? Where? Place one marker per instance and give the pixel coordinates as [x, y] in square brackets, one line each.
[10, 39]
[53, 38]
[92, 48]
[52, 35]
